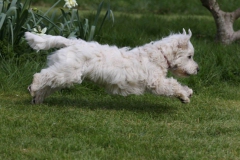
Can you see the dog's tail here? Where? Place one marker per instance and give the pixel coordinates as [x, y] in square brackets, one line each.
[45, 42]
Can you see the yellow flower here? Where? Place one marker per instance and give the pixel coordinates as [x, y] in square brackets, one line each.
[70, 3]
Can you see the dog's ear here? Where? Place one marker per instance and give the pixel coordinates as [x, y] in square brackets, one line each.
[184, 32]
[189, 33]
[183, 42]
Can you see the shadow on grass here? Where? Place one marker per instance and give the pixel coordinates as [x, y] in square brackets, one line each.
[143, 103]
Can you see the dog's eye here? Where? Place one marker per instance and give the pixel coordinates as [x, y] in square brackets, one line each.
[189, 57]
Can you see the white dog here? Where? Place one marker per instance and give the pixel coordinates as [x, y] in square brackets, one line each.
[121, 71]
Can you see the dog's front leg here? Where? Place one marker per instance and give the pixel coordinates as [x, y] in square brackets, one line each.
[170, 87]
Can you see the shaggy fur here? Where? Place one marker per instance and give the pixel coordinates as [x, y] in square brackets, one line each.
[121, 71]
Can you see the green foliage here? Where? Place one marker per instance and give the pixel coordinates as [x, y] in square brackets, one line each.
[13, 16]
[191, 7]
[68, 23]
[16, 18]
[5, 50]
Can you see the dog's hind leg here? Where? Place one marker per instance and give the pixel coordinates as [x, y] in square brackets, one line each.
[50, 80]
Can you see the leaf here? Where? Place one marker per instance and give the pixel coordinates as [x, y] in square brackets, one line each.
[98, 13]
[48, 11]
[1, 5]
[85, 27]
[72, 34]
[11, 29]
[13, 3]
[92, 31]
[11, 10]
[47, 19]
[80, 26]
[21, 19]
[2, 16]
[111, 14]
[74, 11]
[27, 4]
[107, 15]
[64, 14]
[33, 17]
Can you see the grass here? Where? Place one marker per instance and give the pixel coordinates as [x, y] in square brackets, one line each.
[86, 123]
[193, 7]
[94, 125]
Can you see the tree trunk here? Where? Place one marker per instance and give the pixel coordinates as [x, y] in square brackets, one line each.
[224, 22]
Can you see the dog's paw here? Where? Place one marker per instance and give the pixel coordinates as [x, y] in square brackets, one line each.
[185, 95]
[185, 100]
[188, 90]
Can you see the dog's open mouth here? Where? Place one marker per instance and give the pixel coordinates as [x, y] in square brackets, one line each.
[184, 74]
[180, 73]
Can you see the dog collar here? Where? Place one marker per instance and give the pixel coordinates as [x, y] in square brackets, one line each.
[169, 65]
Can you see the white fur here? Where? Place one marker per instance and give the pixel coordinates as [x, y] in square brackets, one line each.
[121, 71]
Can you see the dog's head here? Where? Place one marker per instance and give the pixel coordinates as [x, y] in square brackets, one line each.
[182, 63]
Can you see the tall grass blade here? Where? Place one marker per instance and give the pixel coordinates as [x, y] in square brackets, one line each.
[74, 11]
[2, 16]
[1, 5]
[55, 4]
[65, 19]
[107, 15]
[27, 4]
[80, 26]
[49, 20]
[50, 25]
[21, 19]
[13, 3]
[86, 27]
[112, 15]
[92, 31]
[11, 30]
[98, 13]
[33, 17]
[11, 10]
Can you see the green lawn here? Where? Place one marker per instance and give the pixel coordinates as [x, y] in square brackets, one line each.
[94, 125]
[85, 123]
